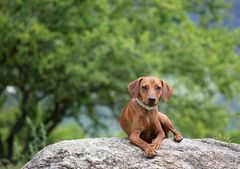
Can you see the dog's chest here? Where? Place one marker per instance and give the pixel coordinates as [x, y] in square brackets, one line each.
[150, 129]
[150, 124]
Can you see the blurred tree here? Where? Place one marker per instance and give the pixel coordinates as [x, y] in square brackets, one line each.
[65, 57]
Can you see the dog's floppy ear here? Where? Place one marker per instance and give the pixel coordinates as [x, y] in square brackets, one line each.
[167, 91]
[133, 87]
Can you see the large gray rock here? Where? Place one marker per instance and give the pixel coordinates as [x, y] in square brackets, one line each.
[119, 153]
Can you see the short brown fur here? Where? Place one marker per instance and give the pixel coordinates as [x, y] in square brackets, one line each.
[147, 129]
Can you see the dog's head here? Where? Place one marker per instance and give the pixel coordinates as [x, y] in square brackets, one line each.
[150, 90]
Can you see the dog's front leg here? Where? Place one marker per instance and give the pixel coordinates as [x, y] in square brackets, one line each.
[167, 124]
[156, 143]
[135, 139]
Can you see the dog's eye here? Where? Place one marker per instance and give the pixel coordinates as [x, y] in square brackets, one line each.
[158, 88]
[144, 87]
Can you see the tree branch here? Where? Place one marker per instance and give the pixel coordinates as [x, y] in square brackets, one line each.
[16, 128]
[1, 147]
[56, 117]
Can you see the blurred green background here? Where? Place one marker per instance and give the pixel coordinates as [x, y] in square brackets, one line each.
[65, 66]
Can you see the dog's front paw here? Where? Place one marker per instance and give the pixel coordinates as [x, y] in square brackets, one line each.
[150, 151]
[178, 137]
[156, 144]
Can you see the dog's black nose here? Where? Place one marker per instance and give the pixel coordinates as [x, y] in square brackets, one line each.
[151, 99]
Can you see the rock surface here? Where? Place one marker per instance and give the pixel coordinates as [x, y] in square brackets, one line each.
[119, 153]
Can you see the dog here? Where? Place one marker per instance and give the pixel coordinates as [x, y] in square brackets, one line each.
[141, 120]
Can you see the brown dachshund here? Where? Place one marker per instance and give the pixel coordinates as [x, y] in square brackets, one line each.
[141, 120]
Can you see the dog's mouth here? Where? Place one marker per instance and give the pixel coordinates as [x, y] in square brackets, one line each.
[150, 104]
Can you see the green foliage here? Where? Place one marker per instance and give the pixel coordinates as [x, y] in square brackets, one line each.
[66, 57]
[66, 132]
[223, 138]
[37, 137]
[235, 137]
[120, 134]
[12, 166]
